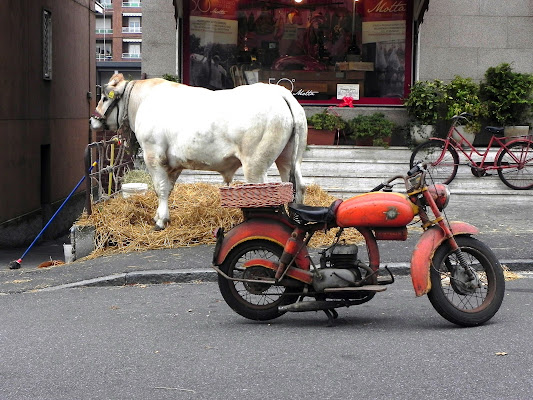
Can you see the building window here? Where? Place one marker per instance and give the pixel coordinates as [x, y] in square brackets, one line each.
[47, 44]
[322, 50]
[104, 50]
[133, 25]
[131, 50]
[103, 25]
[126, 4]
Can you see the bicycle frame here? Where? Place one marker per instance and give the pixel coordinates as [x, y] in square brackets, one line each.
[462, 143]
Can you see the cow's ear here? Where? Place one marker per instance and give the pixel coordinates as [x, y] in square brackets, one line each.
[120, 87]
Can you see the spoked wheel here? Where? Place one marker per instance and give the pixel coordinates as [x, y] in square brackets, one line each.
[257, 301]
[460, 303]
[442, 165]
[516, 165]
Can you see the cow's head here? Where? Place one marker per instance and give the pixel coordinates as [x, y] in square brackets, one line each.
[105, 116]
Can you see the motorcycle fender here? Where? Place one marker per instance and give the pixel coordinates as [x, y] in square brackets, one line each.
[263, 230]
[425, 249]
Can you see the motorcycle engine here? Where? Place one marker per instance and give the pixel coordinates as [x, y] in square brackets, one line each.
[340, 256]
[340, 268]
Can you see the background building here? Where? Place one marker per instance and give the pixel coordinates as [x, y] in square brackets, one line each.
[448, 37]
[118, 39]
[47, 83]
[467, 37]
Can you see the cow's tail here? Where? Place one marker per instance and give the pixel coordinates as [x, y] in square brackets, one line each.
[299, 138]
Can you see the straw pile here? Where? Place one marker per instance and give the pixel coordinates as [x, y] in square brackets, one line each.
[125, 224]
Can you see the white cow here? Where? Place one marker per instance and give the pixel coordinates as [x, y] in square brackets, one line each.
[183, 127]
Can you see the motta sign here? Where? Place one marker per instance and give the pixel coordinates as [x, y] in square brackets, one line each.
[379, 9]
[294, 87]
[308, 93]
[385, 6]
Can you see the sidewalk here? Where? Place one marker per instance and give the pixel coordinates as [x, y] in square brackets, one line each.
[505, 226]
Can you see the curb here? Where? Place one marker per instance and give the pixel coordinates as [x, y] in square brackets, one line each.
[210, 275]
[142, 277]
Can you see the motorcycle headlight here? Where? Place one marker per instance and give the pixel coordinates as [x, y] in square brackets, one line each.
[441, 195]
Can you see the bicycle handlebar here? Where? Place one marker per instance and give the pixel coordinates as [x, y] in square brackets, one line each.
[463, 115]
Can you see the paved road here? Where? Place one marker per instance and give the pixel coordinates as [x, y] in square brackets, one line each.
[181, 341]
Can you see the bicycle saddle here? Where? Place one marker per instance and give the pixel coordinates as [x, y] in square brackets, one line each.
[495, 130]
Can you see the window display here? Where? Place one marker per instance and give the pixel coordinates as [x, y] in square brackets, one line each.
[321, 50]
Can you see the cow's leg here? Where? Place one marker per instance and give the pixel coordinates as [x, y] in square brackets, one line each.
[163, 180]
[255, 172]
[162, 216]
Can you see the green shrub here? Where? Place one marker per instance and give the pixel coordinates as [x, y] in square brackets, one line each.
[376, 126]
[508, 95]
[326, 121]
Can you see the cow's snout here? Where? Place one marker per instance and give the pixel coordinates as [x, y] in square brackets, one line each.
[95, 124]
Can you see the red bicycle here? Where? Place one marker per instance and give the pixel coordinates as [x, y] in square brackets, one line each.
[513, 160]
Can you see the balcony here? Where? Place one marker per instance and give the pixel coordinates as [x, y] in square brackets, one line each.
[131, 56]
[131, 29]
[104, 31]
[131, 4]
[104, 57]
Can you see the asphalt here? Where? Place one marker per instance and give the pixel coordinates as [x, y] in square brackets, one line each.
[505, 224]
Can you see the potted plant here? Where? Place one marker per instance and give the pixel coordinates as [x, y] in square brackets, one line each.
[508, 96]
[324, 127]
[425, 105]
[371, 130]
[462, 95]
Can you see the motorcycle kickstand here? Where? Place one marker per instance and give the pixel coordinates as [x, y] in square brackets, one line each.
[332, 315]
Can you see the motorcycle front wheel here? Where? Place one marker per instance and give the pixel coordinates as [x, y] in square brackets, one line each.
[466, 307]
[257, 301]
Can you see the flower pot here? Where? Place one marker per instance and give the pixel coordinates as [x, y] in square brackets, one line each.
[364, 141]
[470, 136]
[421, 133]
[516, 130]
[321, 136]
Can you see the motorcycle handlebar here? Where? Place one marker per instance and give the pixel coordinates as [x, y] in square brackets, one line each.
[378, 187]
[420, 167]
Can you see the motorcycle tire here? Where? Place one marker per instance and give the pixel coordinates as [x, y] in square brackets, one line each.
[477, 306]
[256, 301]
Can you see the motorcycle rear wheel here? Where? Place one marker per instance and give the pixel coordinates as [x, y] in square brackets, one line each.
[256, 301]
[481, 304]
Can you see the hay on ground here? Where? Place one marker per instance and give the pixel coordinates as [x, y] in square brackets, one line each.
[125, 224]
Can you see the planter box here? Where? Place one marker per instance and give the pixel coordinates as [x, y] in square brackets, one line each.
[422, 133]
[470, 136]
[321, 136]
[369, 141]
[513, 131]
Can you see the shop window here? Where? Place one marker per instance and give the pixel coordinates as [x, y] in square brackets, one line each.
[321, 50]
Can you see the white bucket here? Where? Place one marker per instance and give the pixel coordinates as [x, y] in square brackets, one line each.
[129, 189]
[69, 255]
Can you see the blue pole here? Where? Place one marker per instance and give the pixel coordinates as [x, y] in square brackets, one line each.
[19, 261]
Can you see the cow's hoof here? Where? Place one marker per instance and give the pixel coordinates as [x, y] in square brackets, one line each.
[158, 228]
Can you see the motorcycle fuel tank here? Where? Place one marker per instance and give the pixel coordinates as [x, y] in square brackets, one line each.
[376, 209]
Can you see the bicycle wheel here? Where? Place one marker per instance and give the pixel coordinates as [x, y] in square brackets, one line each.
[515, 165]
[442, 165]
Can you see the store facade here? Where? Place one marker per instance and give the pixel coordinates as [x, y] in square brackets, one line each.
[321, 50]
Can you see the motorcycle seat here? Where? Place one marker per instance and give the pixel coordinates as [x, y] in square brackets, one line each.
[309, 214]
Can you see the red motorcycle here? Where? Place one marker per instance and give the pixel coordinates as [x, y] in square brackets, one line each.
[264, 268]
